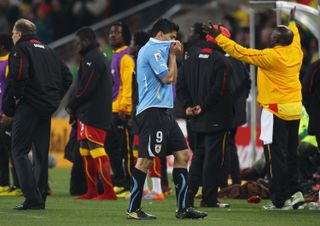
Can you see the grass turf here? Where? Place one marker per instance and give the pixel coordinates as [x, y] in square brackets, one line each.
[61, 209]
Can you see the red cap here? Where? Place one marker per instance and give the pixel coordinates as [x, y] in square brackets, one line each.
[223, 30]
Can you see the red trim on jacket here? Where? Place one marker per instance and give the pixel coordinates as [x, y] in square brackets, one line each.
[20, 68]
[224, 82]
[34, 41]
[207, 50]
[87, 84]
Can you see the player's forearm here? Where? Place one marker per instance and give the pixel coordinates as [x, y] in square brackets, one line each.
[171, 77]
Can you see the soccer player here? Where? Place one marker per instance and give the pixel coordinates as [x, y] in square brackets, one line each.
[279, 94]
[159, 133]
[91, 105]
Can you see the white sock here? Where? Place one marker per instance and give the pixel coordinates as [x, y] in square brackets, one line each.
[145, 185]
[156, 185]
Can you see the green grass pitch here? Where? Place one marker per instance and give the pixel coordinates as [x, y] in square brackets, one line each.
[62, 209]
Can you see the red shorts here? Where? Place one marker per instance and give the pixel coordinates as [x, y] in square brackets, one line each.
[86, 132]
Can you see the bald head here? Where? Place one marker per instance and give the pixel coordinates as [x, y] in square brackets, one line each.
[281, 35]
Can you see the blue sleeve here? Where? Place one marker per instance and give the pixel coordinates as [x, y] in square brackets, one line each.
[158, 64]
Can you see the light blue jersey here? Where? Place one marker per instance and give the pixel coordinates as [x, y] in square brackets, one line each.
[152, 67]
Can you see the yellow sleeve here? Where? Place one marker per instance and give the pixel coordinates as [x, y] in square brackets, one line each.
[296, 36]
[127, 65]
[260, 58]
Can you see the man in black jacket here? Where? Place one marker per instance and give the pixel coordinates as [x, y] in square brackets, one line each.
[311, 98]
[39, 81]
[204, 90]
[91, 104]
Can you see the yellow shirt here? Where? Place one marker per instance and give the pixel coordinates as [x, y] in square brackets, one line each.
[278, 74]
[123, 102]
[5, 58]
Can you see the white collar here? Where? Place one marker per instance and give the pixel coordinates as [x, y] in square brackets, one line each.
[159, 41]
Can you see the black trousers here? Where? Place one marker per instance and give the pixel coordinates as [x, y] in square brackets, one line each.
[234, 159]
[31, 130]
[6, 156]
[119, 147]
[208, 166]
[281, 160]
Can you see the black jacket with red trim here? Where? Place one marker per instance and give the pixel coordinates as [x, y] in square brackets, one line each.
[204, 81]
[37, 75]
[92, 98]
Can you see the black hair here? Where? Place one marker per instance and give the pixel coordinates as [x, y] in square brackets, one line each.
[164, 25]
[6, 41]
[197, 29]
[126, 34]
[86, 33]
[140, 38]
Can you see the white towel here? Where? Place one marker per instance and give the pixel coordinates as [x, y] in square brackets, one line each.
[266, 127]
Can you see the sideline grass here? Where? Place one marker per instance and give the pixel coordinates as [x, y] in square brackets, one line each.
[64, 210]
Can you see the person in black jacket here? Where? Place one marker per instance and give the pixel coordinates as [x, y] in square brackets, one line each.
[311, 98]
[39, 81]
[205, 92]
[91, 104]
[240, 85]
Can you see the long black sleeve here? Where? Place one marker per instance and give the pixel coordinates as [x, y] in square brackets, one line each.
[89, 76]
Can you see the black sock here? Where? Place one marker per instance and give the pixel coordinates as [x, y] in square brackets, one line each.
[180, 179]
[136, 181]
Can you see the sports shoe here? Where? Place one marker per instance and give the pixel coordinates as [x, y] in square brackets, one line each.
[154, 196]
[119, 189]
[87, 196]
[216, 205]
[124, 194]
[12, 191]
[147, 191]
[222, 205]
[106, 196]
[269, 206]
[166, 189]
[314, 206]
[191, 213]
[297, 200]
[4, 189]
[286, 206]
[139, 215]
[25, 206]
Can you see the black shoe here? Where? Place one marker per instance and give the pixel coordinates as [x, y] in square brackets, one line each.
[191, 213]
[26, 206]
[139, 215]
